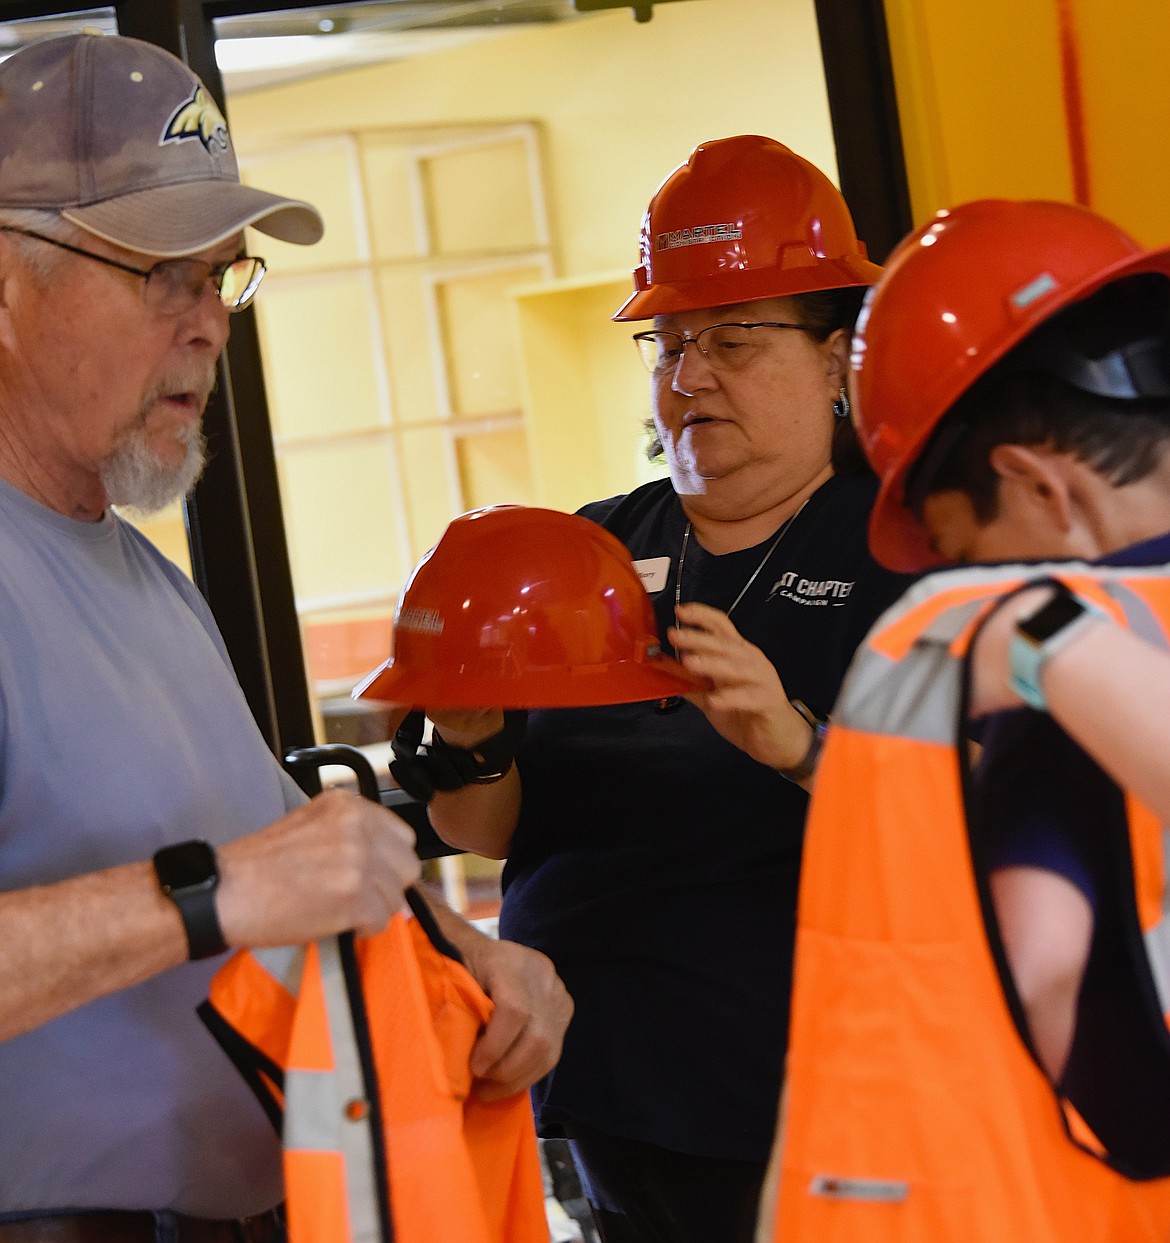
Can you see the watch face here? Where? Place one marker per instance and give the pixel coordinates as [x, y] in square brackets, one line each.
[188, 865]
[1053, 617]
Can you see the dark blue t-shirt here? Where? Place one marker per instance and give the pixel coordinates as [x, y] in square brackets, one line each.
[656, 864]
[1042, 798]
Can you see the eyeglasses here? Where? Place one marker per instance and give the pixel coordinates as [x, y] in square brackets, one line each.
[726, 347]
[174, 286]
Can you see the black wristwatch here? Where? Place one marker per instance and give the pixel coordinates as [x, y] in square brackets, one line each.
[808, 764]
[188, 874]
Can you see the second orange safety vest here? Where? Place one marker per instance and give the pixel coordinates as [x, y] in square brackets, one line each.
[359, 1049]
[914, 1111]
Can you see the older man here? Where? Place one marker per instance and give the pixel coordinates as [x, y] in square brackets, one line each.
[144, 825]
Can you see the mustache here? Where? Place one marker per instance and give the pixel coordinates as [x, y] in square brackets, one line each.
[198, 380]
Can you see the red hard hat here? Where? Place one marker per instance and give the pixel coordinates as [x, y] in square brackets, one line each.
[744, 218]
[956, 296]
[517, 607]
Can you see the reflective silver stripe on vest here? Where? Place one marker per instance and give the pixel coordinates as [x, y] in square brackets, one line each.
[1158, 951]
[873, 1190]
[284, 963]
[922, 702]
[327, 1111]
[918, 697]
[1141, 619]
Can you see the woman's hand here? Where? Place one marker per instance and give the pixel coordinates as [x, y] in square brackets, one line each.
[747, 703]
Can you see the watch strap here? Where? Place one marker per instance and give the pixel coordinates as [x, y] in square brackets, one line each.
[1033, 645]
[201, 923]
[807, 765]
[194, 898]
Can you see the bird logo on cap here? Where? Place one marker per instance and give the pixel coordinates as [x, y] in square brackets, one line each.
[198, 117]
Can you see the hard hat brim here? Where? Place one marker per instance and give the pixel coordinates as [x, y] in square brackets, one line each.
[846, 272]
[897, 539]
[657, 677]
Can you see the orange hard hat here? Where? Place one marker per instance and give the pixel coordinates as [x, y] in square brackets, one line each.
[956, 296]
[519, 607]
[744, 218]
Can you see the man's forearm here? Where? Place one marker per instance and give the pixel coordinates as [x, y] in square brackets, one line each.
[80, 939]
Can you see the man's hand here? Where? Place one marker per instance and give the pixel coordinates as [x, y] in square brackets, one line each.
[523, 1038]
[337, 863]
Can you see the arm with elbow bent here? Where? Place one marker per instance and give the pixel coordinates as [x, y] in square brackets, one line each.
[478, 818]
[522, 1040]
[1107, 688]
[334, 863]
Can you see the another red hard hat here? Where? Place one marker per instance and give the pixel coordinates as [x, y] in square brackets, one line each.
[956, 296]
[744, 218]
[518, 607]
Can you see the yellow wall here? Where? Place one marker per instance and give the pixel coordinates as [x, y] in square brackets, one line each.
[620, 104]
[616, 106]
[1123, 47]
[985, 104]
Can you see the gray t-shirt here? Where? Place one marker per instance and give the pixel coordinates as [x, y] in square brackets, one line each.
[122, 729]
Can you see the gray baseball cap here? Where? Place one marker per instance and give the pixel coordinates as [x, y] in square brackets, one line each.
[126, 142]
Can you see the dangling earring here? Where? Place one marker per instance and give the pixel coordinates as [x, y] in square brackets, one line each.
[841, 405]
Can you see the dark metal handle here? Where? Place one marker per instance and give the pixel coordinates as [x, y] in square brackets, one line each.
[310, 760]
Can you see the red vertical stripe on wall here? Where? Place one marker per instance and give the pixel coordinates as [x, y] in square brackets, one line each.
[1074, 103]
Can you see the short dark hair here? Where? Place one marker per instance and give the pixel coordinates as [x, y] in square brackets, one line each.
[1037, 395]
[823, 311]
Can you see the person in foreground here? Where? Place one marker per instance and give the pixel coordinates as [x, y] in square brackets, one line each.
[979, 1049]
[143, 821]
[653, 848]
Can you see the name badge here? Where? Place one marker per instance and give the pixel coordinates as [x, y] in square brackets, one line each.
[653, 571]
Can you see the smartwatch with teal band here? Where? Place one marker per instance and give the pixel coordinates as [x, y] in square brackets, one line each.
[1040, 635]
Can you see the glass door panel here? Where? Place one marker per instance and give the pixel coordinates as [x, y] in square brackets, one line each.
[448, 345]
[482, 169]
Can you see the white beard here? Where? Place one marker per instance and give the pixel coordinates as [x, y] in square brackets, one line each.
[133, 476]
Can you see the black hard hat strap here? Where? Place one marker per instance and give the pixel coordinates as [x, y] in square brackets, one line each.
[424, 769]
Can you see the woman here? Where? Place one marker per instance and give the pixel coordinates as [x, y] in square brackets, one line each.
[653, 848]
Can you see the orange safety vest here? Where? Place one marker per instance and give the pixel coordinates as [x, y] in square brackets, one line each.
[914, 1111]
[360, 1046]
